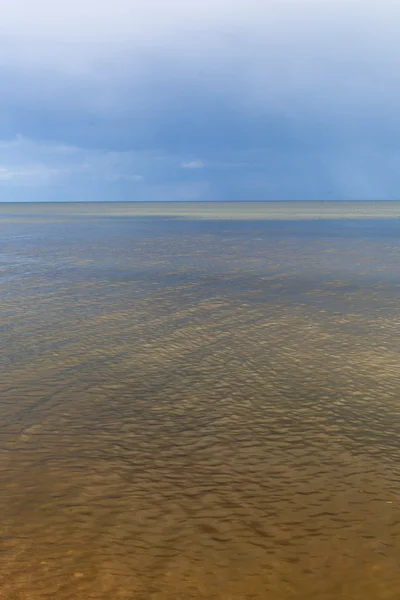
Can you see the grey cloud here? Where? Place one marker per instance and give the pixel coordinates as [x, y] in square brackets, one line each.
[122, 93]
[24, 161]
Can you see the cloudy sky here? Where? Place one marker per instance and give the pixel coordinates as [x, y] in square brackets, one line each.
[199, 100]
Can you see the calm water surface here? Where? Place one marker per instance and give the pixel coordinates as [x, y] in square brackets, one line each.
[204, 409]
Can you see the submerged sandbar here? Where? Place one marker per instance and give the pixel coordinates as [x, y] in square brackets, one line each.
[209, 210]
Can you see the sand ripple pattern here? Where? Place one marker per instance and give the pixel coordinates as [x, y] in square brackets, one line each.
[198, 411]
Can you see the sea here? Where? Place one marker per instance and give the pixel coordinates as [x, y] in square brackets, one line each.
[200, 401]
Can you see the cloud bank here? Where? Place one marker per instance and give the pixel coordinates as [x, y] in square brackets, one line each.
[288, 99]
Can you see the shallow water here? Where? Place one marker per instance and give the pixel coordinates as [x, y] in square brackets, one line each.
[203, 409]
[207, 210]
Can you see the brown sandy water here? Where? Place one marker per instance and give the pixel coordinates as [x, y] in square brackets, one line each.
[205, 410]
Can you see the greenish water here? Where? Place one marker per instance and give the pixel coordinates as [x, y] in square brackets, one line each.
[198, 408]
[212, 210]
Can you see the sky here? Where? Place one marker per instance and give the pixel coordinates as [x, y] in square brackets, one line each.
[199, 100]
